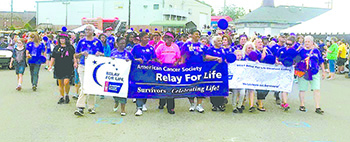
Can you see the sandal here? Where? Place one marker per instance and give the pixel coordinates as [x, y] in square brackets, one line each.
[319, 111]
[302, 108]
[262, 109]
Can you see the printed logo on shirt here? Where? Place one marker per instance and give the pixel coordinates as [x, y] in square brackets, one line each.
[147, 50]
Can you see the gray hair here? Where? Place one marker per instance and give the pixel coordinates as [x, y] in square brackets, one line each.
[309, 37]
[215, 38]
[92, 27]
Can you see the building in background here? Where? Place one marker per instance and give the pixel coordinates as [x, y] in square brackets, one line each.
[270, 20]
[175, 15]
[19, 19]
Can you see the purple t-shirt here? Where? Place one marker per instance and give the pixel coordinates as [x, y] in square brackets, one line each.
[275, 48]
[180, 43]
[238, 47]
[217, 52]
[121, 55]
[35, 52]
[89, 46]
[193, 52]
[110, 41]
[145, 53]
[304, 53]
[268, 52]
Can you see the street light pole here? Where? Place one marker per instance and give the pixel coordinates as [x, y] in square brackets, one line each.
[129, 14]
[11, 11]
[66, 3]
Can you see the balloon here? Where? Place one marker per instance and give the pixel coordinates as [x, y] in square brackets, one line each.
[140, 30]
[147, 30]
[132, 29]
[287, 62]
[292, 34]
[156, 29]
[223, 24]
[45, 38]
[231, 58]
[253, 56]
[270, 59]
[209, 32]
[291, 53]
[64, 29]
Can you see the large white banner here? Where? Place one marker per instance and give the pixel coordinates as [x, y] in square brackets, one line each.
[252, 75]
[106, 76]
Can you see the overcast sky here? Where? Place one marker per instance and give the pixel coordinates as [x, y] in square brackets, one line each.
[30, 5]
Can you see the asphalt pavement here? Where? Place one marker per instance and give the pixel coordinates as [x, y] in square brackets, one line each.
[35, 116]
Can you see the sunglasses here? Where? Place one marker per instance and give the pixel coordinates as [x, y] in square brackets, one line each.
[289, 44]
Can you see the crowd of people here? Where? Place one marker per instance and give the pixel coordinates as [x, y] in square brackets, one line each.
[65, 54]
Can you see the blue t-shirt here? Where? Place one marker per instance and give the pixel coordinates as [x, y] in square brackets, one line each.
[35, 52]
[89, 46]
[193, 52]
[217, 52]
[121, 55]
[145, 53]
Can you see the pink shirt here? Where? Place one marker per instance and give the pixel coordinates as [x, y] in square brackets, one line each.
[154, 44]
[168, 54]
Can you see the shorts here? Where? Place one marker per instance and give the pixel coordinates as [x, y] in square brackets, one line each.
[20, 69]
[119, 100]
[315, 83]
[332, 66]
[76, 76]
[341, 61]
[63, 74]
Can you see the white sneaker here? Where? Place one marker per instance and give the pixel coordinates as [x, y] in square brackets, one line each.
[138, 112]
[144, 108]
[193, 107]
[199, 108]
[133, 100]
[115, 109]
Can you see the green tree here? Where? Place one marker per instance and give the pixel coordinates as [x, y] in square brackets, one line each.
[212, 12]
[12, 28]
[28, 27]
[232, 11]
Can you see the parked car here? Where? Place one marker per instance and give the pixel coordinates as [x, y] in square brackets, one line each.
[5, 57]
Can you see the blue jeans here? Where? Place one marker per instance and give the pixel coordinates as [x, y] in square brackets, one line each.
[349, 69]
[140, 102]
[34, 73]
[331, 66]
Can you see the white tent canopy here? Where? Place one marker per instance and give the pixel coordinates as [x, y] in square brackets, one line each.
[82, 28]
[331, 22]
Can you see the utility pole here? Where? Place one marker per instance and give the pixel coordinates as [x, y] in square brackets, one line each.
[129, 14]
[11, 11]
